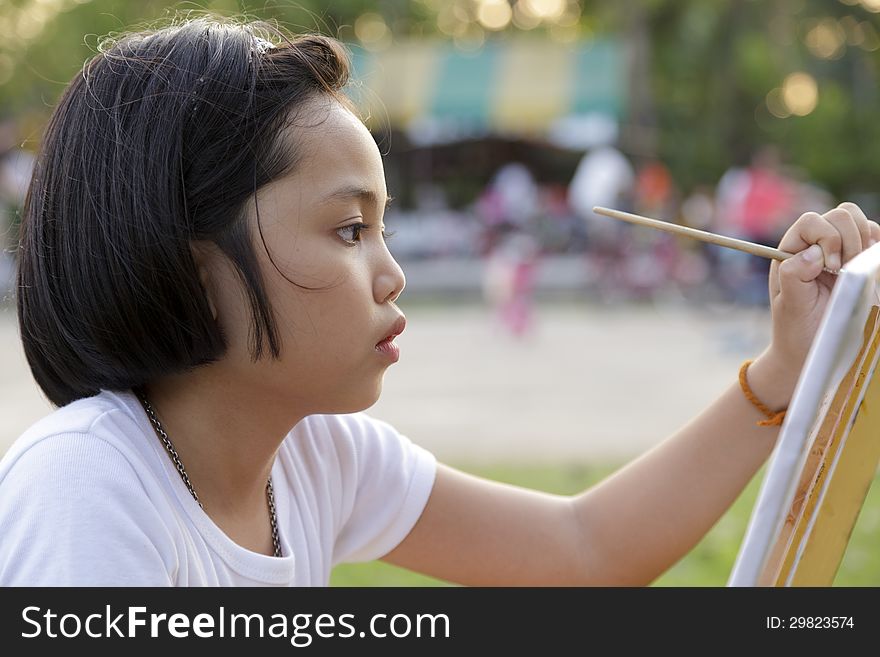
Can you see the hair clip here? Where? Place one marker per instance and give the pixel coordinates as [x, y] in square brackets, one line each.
[262, 45]
[195, 95]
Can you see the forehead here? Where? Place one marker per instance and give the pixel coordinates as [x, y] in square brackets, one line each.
[333, 150]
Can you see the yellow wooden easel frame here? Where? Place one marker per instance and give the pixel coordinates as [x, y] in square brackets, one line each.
[799, 539]
[835, 481]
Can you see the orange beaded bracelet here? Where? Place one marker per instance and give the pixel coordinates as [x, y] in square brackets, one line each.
[774, 418]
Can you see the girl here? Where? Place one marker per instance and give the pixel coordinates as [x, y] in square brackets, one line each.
[205, 292]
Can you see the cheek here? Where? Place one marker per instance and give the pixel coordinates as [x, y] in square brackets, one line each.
[311, 321]
[331, 317]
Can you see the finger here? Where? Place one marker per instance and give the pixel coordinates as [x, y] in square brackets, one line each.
[875, 232]
[861, 220]
[851, 238]
[812, 228]
[797, 276]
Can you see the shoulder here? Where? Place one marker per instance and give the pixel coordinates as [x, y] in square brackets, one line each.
[87, 433]
[80, 501]
[350, 438]
[378, 480]
[88, 415]
[356, 452]
[90, 452]
[346, 427]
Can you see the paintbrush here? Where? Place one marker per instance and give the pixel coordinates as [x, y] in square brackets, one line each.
[702, 235]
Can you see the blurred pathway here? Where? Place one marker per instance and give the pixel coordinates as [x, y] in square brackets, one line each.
[591, 383]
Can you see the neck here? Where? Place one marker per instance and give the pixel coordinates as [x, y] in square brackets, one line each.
[226, 438]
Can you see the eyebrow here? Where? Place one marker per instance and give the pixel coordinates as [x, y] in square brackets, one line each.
[354, 191]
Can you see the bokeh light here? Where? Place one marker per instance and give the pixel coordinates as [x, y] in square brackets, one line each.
[544, 9]
[800, 93]
[571, 16]
[372, 31]
[827, 39]
[523, 18]
[776, 104]
[494, 14]
[452, 19]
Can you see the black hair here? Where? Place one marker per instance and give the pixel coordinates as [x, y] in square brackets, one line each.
[160, 142]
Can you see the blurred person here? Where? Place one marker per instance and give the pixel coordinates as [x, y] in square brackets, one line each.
[509, 278]
[509, 207]
[205, 293]
[654, 190]
[768, 200]
[695, 267]
[511, 197]
[733, 268]
[604, 176]
[559, 230]
[698, 208]
[754, 204]
[649, 258]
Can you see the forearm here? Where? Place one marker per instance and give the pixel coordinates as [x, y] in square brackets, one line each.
[639, 522]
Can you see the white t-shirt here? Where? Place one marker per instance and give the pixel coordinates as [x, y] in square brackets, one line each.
[90, 497]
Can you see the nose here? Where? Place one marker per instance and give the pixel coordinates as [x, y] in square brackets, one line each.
[389, 281]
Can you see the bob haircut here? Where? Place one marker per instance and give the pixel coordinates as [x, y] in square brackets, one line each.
[160, 142]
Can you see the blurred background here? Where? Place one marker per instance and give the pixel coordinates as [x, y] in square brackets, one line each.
[547, 345]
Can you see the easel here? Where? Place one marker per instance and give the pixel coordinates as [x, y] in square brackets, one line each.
[828, 449]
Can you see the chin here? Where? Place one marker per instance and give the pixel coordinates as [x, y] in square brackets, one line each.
[361, 401]
[367, 402]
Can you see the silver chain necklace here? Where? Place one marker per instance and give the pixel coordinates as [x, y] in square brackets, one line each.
[175, 458]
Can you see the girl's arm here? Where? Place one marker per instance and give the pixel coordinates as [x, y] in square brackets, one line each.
[630, 528]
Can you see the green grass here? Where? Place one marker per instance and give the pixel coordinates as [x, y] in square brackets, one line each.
[708, 564]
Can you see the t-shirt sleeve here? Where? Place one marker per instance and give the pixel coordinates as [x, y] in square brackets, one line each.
[74, 513]
[389, 479]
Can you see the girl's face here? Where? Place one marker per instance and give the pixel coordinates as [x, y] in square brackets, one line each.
[323, 228]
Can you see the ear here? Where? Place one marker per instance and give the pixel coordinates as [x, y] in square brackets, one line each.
[204, 255]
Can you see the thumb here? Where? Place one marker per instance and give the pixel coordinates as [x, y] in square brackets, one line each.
[797, 275]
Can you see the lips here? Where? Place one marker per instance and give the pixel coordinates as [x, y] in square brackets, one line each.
[396, 329]
[386, 346]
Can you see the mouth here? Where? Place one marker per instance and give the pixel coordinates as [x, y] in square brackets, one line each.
[386, 345]
[396, 329]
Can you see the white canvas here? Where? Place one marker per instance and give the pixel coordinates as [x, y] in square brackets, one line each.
[833, 353]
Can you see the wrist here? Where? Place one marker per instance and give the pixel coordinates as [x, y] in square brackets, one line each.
[772, 381]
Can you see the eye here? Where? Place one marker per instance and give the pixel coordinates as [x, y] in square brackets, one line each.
[351, 234]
